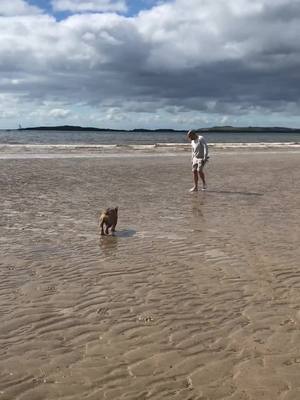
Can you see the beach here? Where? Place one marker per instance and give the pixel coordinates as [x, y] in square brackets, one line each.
[196, 297]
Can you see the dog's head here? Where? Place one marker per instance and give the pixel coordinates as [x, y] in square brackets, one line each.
[111, 211]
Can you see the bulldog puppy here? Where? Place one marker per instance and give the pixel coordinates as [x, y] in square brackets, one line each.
[108, 219]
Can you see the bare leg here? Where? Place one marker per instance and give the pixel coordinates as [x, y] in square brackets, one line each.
[101, 226]
[195, 176]
[202, 177]
[113, 229]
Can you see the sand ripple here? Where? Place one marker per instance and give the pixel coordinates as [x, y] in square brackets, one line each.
[196, 297]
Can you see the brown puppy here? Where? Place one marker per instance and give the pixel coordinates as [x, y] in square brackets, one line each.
[109, 219]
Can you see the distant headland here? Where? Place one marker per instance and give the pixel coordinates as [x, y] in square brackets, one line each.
[221, 129]
[90, 128]
[247, 129]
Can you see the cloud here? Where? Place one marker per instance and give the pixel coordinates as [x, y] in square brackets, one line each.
[185, 59]
[59, 113]
[79, 6]
[17, 7]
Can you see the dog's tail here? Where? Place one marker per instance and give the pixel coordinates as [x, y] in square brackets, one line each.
[99, 214]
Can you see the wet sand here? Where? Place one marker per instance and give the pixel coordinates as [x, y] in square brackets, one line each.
[197, 297]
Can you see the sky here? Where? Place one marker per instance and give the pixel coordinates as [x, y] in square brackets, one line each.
[128, 64]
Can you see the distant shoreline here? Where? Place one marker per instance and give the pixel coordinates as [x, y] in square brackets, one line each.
[215, 129]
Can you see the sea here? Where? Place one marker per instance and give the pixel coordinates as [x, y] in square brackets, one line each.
[82, 137]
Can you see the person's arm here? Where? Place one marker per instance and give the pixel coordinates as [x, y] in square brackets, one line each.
[205, 149]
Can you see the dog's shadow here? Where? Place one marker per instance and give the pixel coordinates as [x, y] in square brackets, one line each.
[124, 233]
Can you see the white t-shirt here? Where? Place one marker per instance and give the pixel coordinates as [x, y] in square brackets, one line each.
[199, 149]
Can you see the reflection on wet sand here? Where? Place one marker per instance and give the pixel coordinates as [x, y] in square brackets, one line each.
[197, 206]
[109, 243]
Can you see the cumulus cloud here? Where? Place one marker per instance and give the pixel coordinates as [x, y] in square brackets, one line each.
[17, 7]
[89, 6]
[181, 59]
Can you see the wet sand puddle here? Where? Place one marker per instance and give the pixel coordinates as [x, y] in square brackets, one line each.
[196, 297]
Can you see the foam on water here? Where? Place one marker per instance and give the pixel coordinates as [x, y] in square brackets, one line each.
[24, 151]
[17, 147]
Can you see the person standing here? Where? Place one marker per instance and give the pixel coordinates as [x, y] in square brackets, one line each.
[199, 158]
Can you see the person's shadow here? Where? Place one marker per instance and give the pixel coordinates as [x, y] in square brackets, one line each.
[234, 192]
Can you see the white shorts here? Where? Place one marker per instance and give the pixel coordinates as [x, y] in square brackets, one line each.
[198, 164]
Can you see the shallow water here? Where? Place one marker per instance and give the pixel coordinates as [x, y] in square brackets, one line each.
[138, 137]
